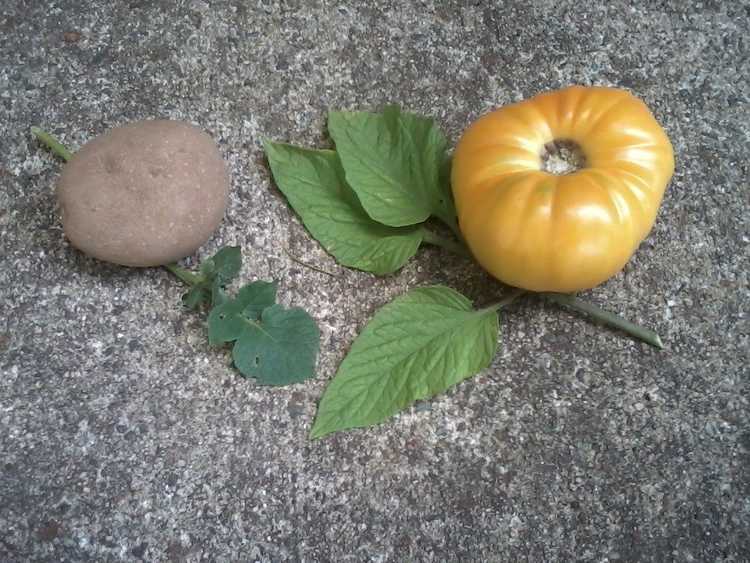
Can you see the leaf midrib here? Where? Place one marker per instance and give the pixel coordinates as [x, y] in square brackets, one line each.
[401, 384]
[471, 314]
[259, 326]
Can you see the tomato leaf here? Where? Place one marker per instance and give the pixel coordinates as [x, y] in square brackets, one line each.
[415, 347]
[275, 345]
[394, 162]
[313, 183]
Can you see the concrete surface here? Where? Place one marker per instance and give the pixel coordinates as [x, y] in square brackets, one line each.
[123, 437]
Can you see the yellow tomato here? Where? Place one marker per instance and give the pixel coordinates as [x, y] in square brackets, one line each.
[545, 232]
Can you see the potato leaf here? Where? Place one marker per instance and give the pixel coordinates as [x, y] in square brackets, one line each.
[224, 265]
[415, 347]
[276, 346]
[313, 183]
[195, 297]
[215, 274]
[394, 162]
[227, 322]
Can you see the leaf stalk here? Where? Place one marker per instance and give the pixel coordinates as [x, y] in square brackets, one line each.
[505, 301]
[607, 318]
[458, 248]
[52, 144]
[184, 275]
[452, 223]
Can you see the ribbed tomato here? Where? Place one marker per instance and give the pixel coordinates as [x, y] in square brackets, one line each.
[545, 232]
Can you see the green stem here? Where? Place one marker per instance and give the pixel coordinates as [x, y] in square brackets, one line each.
[644, 334]
[185, 275]
[52, 144]
[452, 224]
[452, 246]
[505, 301]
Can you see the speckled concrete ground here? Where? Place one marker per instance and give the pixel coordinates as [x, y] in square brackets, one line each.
[125, 437]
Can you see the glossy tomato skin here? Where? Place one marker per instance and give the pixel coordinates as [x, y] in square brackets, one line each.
[564, 233]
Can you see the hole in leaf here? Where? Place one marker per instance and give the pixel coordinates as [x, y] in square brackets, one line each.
[222, 316]
[257, 361]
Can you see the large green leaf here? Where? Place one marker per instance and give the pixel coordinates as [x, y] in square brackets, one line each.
[415, 347]
[313, 182]
[393, 161]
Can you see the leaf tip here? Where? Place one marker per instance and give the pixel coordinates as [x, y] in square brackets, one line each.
[658, 342]
[317, 433]
[268, 144]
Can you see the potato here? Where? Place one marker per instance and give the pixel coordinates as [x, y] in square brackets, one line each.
[144, 194]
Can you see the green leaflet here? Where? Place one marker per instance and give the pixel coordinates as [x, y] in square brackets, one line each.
[195, 297]
[227, 322]
[277, 346]
[415, 347]
[313, 183]
[215, 273]
[224, 265]
[395, 162]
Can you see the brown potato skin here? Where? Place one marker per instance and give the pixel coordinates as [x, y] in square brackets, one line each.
[144, 194]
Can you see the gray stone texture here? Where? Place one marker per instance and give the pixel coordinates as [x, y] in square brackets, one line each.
[125, 437]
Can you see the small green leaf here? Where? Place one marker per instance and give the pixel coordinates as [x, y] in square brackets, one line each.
[280, 348]
[394, 162]
[414, 348]
[195, 297]
[215, 273]
[227, 322]
[227, 263]
[313, 182]
[207, 267]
